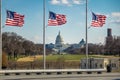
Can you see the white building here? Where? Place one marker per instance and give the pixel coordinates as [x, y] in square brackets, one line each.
[59, 45]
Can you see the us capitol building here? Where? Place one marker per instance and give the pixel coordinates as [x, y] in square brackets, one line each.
[59, 45]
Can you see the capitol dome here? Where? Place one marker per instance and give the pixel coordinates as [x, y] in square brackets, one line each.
[59, 40]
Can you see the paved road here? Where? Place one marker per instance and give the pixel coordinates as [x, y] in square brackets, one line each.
[104, 76]
[80, 78]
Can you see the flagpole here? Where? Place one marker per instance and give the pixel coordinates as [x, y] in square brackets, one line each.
[44, 48]
[86, 36]
[0, 42]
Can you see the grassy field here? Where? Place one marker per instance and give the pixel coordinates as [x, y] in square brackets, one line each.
[29, 58]
[67, 61]
[52, 57]
[65, 57]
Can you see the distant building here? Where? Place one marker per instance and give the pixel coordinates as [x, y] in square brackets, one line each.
[94, 63]
[81, 44]
[100, 63]
[59, 45]
[50, 46]
[109, 38]
[112, 44]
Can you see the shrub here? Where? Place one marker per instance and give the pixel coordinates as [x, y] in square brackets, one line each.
[4, 60]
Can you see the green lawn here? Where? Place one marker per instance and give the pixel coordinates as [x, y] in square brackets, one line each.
[69, 57]
[65, 57]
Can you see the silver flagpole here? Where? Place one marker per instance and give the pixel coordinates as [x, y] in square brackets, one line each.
[44, 48]
[0, 41]
[86, 36]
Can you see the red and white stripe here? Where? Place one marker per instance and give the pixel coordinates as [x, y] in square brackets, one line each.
[99, 22]
[18, 20]
[60, 19]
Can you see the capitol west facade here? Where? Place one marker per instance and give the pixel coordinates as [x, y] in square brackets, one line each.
[59, 45]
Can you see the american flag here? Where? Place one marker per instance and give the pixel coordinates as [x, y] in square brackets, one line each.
[98, 20]
[14, 19]
[56, 19]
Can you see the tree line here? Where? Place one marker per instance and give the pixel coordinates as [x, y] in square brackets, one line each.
[15, 45]
[109, 48]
